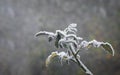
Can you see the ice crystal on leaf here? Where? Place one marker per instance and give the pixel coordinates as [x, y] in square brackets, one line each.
[68, 40]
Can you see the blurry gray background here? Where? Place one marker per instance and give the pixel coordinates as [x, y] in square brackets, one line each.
[23, 54]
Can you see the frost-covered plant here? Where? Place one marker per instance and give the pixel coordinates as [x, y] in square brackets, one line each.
[67, 39]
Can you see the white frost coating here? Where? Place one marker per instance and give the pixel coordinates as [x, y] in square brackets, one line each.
[78, 56]
[73, 25]
[68, 39]
[95, 43]
[79, 38]
[60, 32]
[44, 33]
[64, 41]
[87, 70]
[74, 37]
[83, 44]
[108, 44]
[50, 57]
[71, 29]
[62, 55]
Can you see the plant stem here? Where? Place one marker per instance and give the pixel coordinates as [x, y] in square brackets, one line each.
[79, 62]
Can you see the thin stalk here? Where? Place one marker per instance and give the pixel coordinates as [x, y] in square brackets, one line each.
[79, 62]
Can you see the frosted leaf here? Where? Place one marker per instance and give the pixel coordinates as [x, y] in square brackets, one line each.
[44, 33]
[95, 43]
[68, 41]
[71, 29]
[66, 30]
[61, 42]
[70, 32]
[73, 25]
[50, 57]
[107, 46]
[62, 33]
[64, 56]
[84, 44]
[74, 37]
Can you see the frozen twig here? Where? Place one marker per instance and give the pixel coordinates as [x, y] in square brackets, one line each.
[68, 39]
